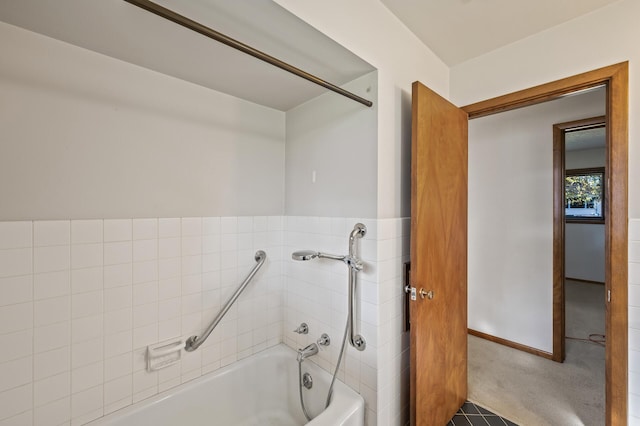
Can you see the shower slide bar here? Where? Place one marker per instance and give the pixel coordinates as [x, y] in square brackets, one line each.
[231, 42]
[194, 341]
[355, 265]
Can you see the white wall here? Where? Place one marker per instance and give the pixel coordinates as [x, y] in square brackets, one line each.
[584, 158]
[317, 292]
[372, 32]
[584, 251]
[333, 140]
[80, 300]
[604, 37]
[337, 139]
[87, 136]
[510, 247]
[584, 242]
[99, 141]
[217, 155]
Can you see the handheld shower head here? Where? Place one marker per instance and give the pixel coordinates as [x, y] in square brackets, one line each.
[304, 255]
[310, 255]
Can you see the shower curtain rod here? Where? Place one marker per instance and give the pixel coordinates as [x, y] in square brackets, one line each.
[222, 38]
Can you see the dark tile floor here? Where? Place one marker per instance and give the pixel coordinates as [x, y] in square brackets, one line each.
[473, 415]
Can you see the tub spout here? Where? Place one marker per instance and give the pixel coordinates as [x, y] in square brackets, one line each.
[308, 351]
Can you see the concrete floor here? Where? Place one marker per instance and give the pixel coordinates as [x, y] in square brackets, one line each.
[533, 391]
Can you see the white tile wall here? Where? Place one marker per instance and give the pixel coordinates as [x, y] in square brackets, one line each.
[393, 374]
[316, 293]
[80, 300]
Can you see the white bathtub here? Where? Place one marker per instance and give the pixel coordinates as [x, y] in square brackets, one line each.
[259, 390]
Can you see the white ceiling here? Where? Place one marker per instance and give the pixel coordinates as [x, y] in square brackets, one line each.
[126, 32]
[585, 139]
[458, 30]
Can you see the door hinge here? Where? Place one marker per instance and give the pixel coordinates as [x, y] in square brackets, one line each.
[608, 296]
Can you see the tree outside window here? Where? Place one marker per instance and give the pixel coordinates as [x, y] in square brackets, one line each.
[584, 195]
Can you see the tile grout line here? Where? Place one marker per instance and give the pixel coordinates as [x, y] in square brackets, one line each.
[479, 414]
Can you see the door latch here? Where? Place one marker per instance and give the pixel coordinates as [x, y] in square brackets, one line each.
[412, 291]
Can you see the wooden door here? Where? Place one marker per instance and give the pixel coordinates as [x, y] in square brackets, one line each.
[438, 258]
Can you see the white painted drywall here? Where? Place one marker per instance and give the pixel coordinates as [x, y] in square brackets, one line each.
[584, 158]
[601, 38]
[511, 218]
[584, 243]
[88, 136]
[330, 155]
[371, 31]
[584, 251]
[607, 36]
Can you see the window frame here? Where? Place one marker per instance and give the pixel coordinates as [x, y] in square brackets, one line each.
[582, 172]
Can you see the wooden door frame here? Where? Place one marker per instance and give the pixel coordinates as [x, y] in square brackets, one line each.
[615, 78]
[559, 275]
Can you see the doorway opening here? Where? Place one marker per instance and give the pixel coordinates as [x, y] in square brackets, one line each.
[615, 79]
[580, 195]
[439, 140]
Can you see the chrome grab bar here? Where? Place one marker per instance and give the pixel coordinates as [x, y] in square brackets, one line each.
[194, 341]
[356, 340]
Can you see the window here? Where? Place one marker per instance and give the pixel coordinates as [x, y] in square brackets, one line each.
[584, 195]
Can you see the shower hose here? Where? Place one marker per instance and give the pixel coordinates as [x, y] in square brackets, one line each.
[333, 380]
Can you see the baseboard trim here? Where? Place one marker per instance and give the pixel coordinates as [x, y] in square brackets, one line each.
[509, 343]
[584, 281]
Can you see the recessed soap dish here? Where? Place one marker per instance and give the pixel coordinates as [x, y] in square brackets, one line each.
[163, 354]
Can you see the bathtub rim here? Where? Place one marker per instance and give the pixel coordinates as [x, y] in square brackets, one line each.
[344, 404]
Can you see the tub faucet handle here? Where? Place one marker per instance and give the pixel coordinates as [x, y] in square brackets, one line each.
[302, 329]
[324, 340]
